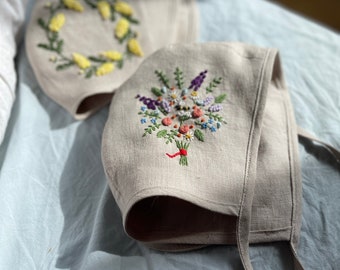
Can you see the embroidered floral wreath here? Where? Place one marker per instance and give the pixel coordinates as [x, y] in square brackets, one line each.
[104, 62]
[179, 114]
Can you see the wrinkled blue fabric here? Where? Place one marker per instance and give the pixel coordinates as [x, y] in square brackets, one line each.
[56, 210]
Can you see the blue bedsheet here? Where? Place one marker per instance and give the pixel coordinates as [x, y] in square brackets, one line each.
[56, 210]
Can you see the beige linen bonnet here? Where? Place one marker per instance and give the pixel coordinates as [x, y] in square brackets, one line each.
[81, 51]
[200, 148]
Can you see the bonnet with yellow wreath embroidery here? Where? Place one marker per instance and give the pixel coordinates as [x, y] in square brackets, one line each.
[82, 50]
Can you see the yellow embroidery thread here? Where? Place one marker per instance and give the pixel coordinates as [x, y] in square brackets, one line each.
[112, 55]
[122, 28]
[57, 22]
[123, 8]
[105, 69]
[134, 47]
[81, 61]
[104, 9]
[73, 4]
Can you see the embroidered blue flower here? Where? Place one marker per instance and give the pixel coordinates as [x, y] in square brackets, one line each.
[211, 121]
[184, 92]
[143, 120]
[143, 108]
[153, 120]
[213, 129]
[164, 89]
[204, 125]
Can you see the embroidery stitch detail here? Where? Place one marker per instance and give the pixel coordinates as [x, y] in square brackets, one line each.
[183, 119]
[102, 63]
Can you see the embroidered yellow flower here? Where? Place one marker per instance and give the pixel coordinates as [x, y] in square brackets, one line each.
[122, 28]
[123, 8]
[57, 22]
[105, 69]
[81, 60]
[73, 4]
[134, 47]
[104, 9]
[112, 55]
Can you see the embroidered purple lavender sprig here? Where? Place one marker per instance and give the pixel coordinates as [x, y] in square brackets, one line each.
[197, 82]
[184, 114]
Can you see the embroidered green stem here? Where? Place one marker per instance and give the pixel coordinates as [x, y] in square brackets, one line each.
[170, 136]
[150, 114]
[216, 117]
[161, 109]
[179, 78]
[183, 159]
[162, 78]
[183, 118]
[151, 128]
[213, 84]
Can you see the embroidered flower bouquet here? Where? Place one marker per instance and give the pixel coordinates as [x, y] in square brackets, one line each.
[178, 113]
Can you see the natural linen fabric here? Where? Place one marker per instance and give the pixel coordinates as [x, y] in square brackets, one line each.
[242, 184]
[161, 23]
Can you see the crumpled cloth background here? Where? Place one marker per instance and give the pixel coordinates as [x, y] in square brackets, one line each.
[57, 211]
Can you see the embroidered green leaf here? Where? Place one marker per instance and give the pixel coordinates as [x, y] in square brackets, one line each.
[92, 5]
[89, 73]
[131, 20]
[220, 98]
[151, 114]
[54, 37]
[170, 136]
[199, 135]
[97, 59]
[128, 35]
[161, 109]
[151, 128]
[120, 64]
[162, 78]
[213, 84]
[113, 15]
[156, 91]
[179, 78]
[162, 133]
[183, 118]
[64, 66]
[45, 46]
[216, 117]
[60, 44]
[42, 24]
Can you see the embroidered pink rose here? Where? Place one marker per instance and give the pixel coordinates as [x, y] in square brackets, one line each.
[183, 129]
[197, 112]
[167, 121]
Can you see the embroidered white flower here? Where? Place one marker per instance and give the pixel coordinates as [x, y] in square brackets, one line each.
[189, 136]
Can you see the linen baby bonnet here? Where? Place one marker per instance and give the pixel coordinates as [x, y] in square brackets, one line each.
[200, 148]
[81, 51]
